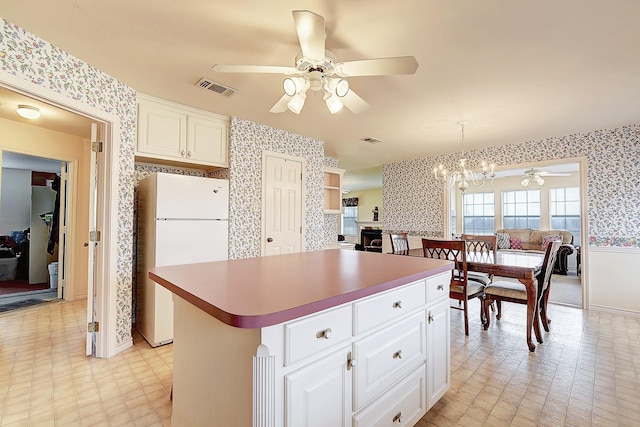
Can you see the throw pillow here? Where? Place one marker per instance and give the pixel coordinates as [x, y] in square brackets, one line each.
[515, 243]
[548, 239]
[502, 239]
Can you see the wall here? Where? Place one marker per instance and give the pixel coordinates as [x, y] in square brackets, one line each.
[414, 202]
[247, 141]
[15, 197]
[34, 60]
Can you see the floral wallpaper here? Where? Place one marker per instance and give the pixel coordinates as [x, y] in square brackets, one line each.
[32, 59]
[247, 141]
[414, 202]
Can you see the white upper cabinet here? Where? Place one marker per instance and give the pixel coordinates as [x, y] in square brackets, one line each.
[180, 135]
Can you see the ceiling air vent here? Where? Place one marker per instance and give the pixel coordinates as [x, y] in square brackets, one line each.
[371, 140]
[216, 87]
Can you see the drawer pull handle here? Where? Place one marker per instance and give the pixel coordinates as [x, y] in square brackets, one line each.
[351, 362]
[441, 287]
[397, 354]
[325, 333]
[398, 418]
[397, 304]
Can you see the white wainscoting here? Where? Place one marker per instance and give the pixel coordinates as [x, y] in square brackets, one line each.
[614, 281]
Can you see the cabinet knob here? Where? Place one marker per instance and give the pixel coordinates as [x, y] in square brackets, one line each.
[269, 239]
[397, 418]
[324, 334]
[441, 287]
[430, 317]
[189, 153]
[397, 354]
[182, 153]
[397, 304]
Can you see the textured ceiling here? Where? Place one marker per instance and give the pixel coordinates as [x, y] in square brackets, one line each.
[513, 70]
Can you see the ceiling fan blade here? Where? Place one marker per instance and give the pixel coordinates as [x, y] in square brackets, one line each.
[377, 67]
[311, 34]
[270, 69]
[281, 105]
[354, 103]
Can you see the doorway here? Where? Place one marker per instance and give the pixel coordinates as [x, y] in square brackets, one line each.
[32, 255]
[64, 119]
[540, 196]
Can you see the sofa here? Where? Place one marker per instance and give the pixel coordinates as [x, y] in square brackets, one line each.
[533, 240]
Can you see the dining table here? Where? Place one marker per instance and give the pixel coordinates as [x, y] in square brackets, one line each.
[524, 266]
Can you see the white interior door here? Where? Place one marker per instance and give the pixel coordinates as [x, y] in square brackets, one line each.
[92, 243]
[282, 204]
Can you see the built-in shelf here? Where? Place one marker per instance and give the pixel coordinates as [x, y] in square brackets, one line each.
[333, 190]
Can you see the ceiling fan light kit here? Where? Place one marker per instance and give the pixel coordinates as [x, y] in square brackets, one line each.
[317, 69]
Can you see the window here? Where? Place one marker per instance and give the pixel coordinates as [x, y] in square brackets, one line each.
[565, 210]
[349, 218]
[479, 213]
[521, 209]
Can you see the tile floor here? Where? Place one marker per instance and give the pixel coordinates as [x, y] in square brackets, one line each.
[586, 373]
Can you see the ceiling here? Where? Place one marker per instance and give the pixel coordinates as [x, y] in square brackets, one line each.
[514, 71]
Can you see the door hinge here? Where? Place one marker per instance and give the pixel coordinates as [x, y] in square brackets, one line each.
[94, 236]
[93, 327]
[96, 146]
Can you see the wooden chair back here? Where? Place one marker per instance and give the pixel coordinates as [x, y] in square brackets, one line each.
[481, 244]
[399, 244]
[452, 250]
[550, 255]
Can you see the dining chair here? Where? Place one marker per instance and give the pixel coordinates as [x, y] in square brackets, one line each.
[399, 244]
[516, 292]
[461, 288]
[484, 247]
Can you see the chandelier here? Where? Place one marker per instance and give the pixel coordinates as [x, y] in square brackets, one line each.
[464, 176]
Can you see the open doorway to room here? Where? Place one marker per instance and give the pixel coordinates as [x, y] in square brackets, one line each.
[32, 208]
[543, 198]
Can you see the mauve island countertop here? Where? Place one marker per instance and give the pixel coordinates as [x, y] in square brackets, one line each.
[264, 291]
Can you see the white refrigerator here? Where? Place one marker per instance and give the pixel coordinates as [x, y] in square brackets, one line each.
[181, 220]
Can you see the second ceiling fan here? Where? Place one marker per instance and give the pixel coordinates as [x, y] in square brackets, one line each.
[317, 69]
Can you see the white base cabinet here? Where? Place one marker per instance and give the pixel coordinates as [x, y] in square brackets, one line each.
[382, 360]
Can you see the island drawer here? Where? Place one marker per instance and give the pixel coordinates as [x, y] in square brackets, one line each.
[316, 333]
[386, 356]
[387, 306]
[402, 405]
[438, 287]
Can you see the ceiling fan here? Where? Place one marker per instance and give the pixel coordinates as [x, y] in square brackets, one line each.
[537, 176]
[317, 69]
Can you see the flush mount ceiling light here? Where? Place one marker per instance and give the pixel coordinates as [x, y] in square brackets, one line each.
[28, 112]
[464, 176]
[318, 69]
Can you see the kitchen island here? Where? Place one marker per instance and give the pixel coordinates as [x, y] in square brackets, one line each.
[319, 338]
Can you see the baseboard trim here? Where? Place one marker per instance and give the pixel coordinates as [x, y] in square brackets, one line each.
[122, 347]
[614, 310]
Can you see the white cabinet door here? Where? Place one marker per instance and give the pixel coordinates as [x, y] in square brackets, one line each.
[161, 131]
[207, 140]
[438, 352]
[319, 395]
